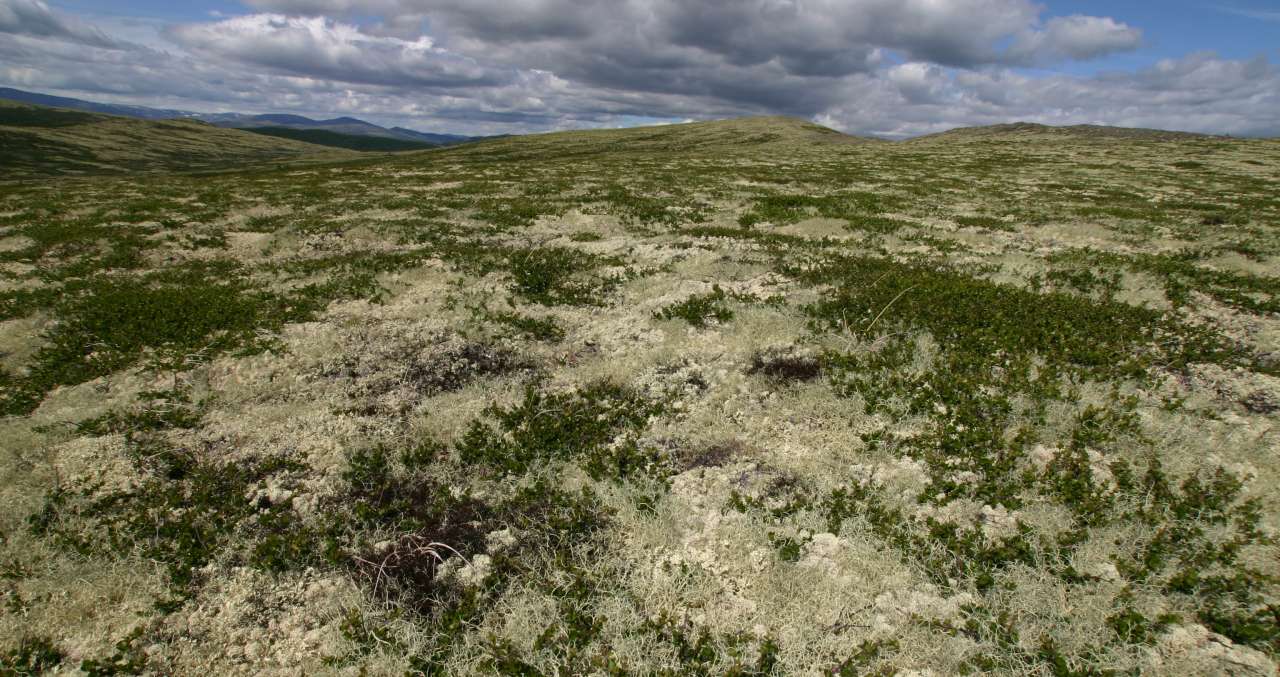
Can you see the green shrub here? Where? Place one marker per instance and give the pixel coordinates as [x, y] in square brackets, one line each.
[32, 656]
[983, 322]
[545, 427]
[700, 310]
[559, 276]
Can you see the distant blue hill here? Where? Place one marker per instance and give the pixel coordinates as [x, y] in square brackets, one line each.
[324, 137]
[342, 125]
[283, 119]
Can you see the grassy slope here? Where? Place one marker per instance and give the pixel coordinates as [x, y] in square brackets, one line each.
[39, 141]
[747, 395]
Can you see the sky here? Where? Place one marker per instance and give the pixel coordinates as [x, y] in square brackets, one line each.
[889, 68]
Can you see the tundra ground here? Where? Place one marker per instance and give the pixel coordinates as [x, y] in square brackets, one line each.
[742, 398]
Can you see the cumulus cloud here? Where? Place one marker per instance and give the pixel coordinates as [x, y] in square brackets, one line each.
[323, 48]
[1076, 37]
[756, 55]
[832, 37]
[34, 18]
[785, 56]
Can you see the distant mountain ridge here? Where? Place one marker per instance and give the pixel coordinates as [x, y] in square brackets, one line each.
[142, 112]
[341, 125]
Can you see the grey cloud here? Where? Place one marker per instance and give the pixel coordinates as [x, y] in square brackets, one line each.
[757, 55]
[36, 19]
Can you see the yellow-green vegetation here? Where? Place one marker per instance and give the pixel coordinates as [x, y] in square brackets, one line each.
[37, 141]
[746, 397]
